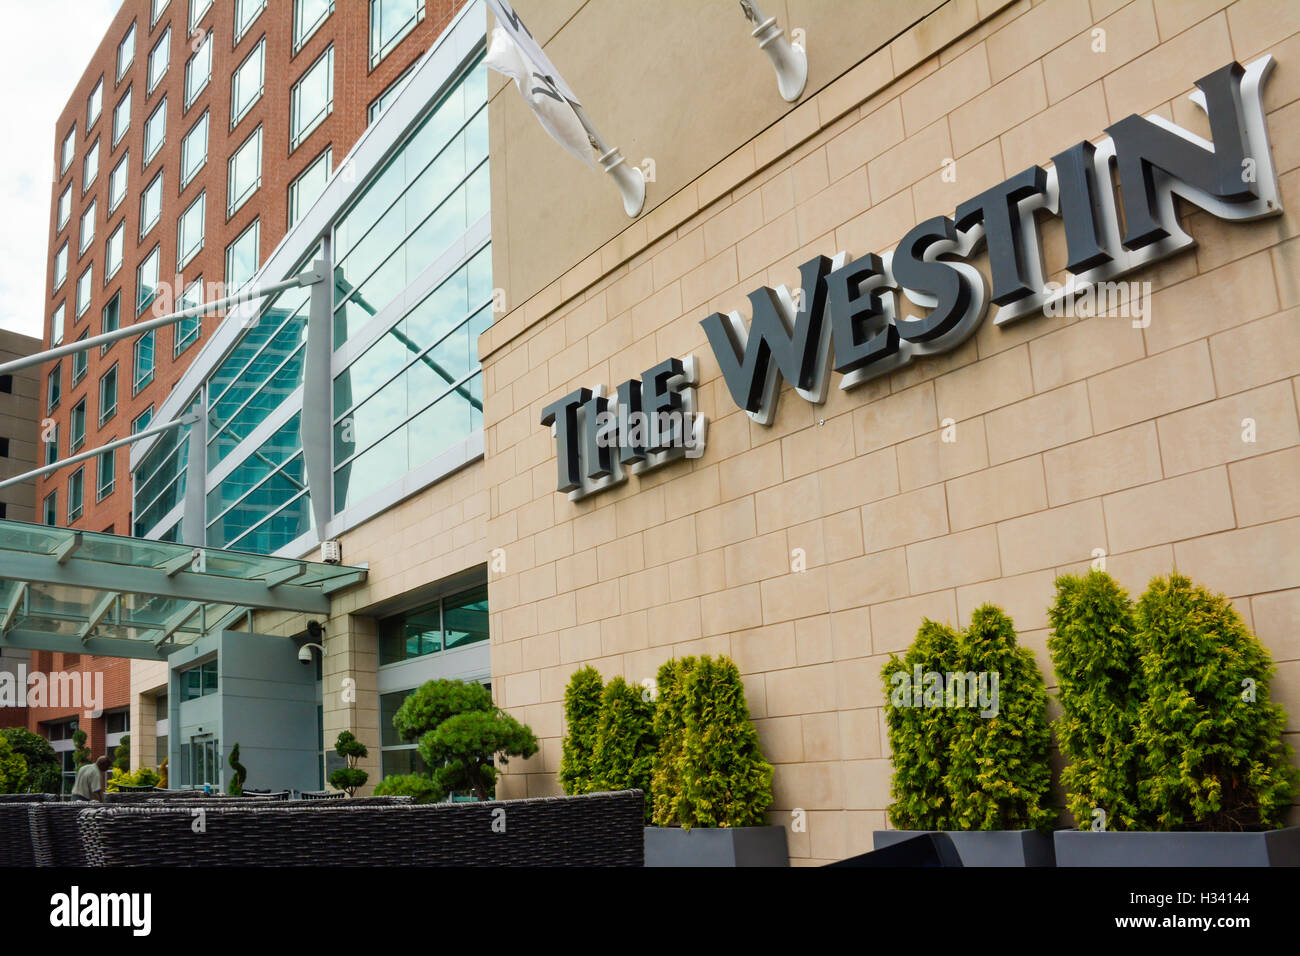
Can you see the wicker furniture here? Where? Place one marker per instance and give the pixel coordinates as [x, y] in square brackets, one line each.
[17, 828]
[600, 829]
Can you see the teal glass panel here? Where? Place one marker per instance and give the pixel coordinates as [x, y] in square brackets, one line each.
[466, 618]
[248, 474]
[266, 498]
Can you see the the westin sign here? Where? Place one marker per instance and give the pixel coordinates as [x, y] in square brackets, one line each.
[846, 315]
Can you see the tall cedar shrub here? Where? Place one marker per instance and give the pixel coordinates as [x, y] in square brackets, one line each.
[1209, 736]
[1098, 670]
[725, 780]
[582, 698]
[999, 776]
[623, 758]
[670, 732]
[920, 737]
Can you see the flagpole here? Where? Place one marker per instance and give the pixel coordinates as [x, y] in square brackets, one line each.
[629, 179]
[789, 59]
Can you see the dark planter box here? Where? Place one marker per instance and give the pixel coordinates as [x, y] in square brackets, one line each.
[986, 847]
[716, 846]
[1268, 848]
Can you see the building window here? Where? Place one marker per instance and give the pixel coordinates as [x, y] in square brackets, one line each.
[146, 280]
[187, 330]
[143, 361]
[118, 722]
[308, 15]
[76, 493]
[158, 7]
[122, 117]
[113, 251]
[51, 508]
[107, 474]
[69, 150]
[245, 174]
[194, 150]
[85, 285]
[79, 363]
[159, 59]
[111, 318]
[108, 395]
[52, 446]
[117, 182]
[197, 10]
[6, 384]
[151, 204]
[242, 258]
[95, 105]
[65, 207]
[155, 131]
[306, 189]
[455, 621]
[4, 447]
[198, 681]
[198, 71]
[126, 51]
[189, 231]
[142, 422]
[78, 427]
[246, 83]
[56, 323]
[246, 11]
[311, 99]
[390, 94]
[87, 233]
[60, 265]
[390, 20]
[90, 167]
[54, 388]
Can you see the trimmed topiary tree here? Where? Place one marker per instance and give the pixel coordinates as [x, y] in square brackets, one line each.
[920, 737]
[1098, 670]
[725, 780]
[44, 772]
[1209, 736]
[417, 785]
[236, 785]
[999, 776]
[122, 755]
[670, 731]
[80, 752]
[13, 767]
[624, 754]
[350, 778]
[582, 699]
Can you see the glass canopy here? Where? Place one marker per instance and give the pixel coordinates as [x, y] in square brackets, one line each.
[86, 592]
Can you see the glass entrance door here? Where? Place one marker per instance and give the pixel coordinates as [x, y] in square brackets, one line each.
[205, 762]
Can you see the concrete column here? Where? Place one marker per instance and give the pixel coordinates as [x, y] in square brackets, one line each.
[349, 691]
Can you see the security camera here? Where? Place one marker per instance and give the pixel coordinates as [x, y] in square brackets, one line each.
[304, 653]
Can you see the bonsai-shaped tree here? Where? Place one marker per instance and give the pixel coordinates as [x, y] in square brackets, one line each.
[999, 776]
[582, 699]
[1210, 738]
[80, 752]
[1098, 670]
[625, 741]
[350, 778]
[725, 780]
[236, 785]
[44, 772]
[666, 798]
[122, 755]
[460, 731]
[13, 768]
[920, 737]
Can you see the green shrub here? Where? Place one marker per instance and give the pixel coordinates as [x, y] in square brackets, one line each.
[236, 785]
[1208, 734]
[666, 798]
[725, 781]
[460, 733]
[625, 742]
[920, 738]
[581, 713]
[44, 771]
[13, 767]
[350, 778]
[144, 777]
[1098, 670]
[999, 775]
[80, 752]
[122, 755]
[416, 785]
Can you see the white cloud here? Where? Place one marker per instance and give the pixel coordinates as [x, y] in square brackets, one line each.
[44, 47]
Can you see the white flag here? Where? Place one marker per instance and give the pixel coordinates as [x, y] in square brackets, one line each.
[542, 94]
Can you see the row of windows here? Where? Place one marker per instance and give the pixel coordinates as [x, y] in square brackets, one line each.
[106, 467]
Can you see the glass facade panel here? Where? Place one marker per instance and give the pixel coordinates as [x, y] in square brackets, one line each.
[90, 168]
[144, 359]
[106, 474]
[117, 182]
[390, 20]
[151, 205]
[113, 251]
[194, 149]
[246, 84]
[111, 318]
[308, 15]
[159, 58]
[246, 11]
[242, 258]
[245, 172]
[85, 286]
[305, 190]
[161, 478]
[65, 207]
[87, 234]
[126, 51]
[95, 104]
[122, 117]
[198, 71]
[108, 395]
[60, 265]
[311, 99]
[187, 330]
[189, 231]
[146, 280]
[69, 150]
[76, 493]
[155, 131]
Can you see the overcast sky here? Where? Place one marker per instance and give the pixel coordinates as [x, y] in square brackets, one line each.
[44, 46]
